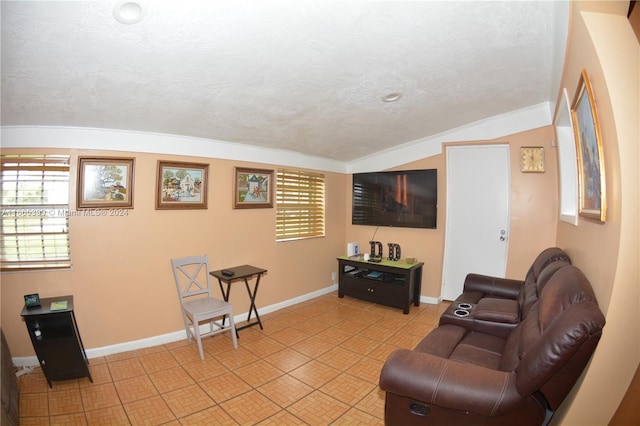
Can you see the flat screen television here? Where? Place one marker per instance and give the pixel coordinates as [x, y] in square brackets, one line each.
[404, 198]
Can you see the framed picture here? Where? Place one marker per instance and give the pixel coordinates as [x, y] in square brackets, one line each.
[181, 185]
[253, 188]
[105, 182]
[586, 129]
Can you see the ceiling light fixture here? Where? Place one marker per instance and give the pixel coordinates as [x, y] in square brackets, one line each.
[391, 97]
[129, 12]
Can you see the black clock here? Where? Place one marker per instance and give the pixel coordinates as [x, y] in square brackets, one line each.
[32, 300]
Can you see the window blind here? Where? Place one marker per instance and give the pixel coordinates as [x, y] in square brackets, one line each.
[300, 197]
[35, 212]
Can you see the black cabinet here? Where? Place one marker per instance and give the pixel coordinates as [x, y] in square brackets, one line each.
[391, 283]
[56, 339]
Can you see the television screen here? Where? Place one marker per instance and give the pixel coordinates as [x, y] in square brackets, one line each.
[405, 198]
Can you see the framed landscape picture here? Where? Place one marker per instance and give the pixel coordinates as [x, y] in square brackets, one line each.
[586, 129]
[105, 182]
[181, 185]
[253, 188]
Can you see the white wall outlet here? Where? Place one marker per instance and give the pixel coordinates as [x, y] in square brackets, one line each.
[334, 276]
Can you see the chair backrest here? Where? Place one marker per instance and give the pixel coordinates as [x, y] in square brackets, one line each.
[542, 268]
[550, 348]
[192, 277]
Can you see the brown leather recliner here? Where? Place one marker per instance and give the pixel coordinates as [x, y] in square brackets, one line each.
[458, 376]
[497, 305]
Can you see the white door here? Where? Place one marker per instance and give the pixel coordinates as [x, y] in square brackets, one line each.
[477, 223]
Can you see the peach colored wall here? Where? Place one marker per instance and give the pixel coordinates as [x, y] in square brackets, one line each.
[119, 261]
[602, 42]
[533, 215]
[121, 277]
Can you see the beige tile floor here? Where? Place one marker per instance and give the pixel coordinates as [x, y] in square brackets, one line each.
[315, 363]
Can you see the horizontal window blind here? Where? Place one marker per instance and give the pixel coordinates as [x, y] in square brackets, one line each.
[35, 206]
[300, 198]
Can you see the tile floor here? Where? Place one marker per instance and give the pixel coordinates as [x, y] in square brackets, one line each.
[315, 363]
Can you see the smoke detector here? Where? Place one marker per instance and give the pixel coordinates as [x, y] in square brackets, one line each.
[129, 12]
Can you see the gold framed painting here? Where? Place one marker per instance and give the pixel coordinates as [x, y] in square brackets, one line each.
[105, 183]
[181, 185]
[591, 172]
[253, 188]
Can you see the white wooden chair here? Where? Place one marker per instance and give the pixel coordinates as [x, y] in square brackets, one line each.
[194, 290]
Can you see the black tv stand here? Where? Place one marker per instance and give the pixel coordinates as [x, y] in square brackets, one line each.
[390, 283]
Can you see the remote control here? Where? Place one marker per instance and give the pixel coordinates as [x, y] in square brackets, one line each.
[227, 273]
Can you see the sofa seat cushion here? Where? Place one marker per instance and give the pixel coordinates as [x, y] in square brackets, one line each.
[442, 341]
[479, 349]
[498, 310]
[459, 344]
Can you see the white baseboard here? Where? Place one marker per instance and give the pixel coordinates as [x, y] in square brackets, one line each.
[430, 300]
[32, 361]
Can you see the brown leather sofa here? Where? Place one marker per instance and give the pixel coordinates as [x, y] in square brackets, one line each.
[458, 375]
[497, 305]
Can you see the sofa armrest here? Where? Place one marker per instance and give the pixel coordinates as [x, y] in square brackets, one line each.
[493, 286]
[449, 384]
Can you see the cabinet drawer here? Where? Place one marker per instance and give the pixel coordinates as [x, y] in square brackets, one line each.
[374, 291]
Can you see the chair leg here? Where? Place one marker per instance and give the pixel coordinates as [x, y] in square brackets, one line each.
[187, 328]
[196, 330]
[232, 325]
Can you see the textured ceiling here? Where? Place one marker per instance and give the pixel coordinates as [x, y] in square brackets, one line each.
[305, 76]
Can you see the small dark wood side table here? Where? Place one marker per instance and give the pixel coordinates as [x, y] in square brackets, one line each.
[56, 340]
[244, 273]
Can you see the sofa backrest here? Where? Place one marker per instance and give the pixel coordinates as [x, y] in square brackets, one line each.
[542, 268]
[549, 349]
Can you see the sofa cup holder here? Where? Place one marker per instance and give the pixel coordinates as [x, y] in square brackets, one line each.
[461, 313]
[465, 306]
